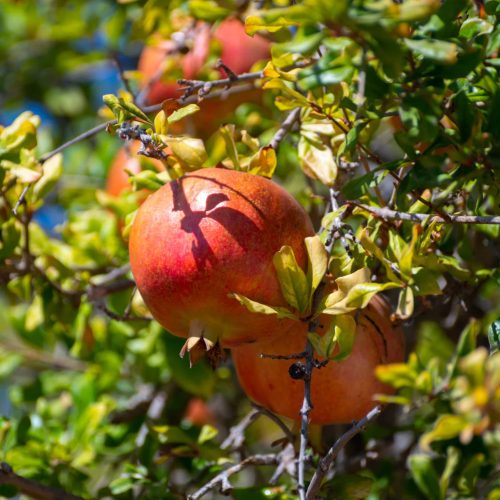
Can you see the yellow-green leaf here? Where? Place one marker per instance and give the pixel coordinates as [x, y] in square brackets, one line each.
[181, 113]
[161, 123]
[406, 303]
[317, 263]
[257, 307]
[188, 150]
[446, 427]
[292, 279]
[52, 170]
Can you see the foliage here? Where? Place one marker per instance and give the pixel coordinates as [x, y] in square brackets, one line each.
[395, 107]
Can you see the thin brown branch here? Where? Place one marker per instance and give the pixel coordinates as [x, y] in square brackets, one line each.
[221, 481]
[148, 109]
[326, 462]
[277, 421]
[32, 488]
[288, 123]
[387, 214]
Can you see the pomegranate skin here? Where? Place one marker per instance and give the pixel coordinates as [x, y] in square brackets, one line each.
[208, 234]
[341, 391]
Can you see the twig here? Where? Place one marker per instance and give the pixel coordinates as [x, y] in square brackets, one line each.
[32, 488]
[304, 419]
[154, 412]
[121, 73]
[292, 117]
[236, 436]
[21, 198]
[222, 479]
[147, 109]
[386, 213]
[326, 461]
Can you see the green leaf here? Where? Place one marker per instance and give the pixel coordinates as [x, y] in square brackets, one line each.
[124, 109]
[292, 279]
[452, 460]
[446, 427]
[52, 171]
[207, 433]
[253, 24]
[181, 113]
[414, 10]
[336, 344]
[470, 474]
[475, 26]
[257, 307]
[317, 263]
[146, 179]
[396, 374]
[434, 50]
[207, 10]
[425, 476]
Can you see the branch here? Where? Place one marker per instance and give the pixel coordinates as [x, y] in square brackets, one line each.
[292, 117]
[326, 461]
[148, 109]
[222, 479]
[386, 213]
[236, 436]
[32, 488]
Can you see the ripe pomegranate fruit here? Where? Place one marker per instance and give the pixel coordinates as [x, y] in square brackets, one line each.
[208, 234]
[340, 391]
[126, 159]
[238, 51]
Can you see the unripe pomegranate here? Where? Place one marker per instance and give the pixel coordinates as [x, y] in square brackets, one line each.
[340, 391]
[206, 235]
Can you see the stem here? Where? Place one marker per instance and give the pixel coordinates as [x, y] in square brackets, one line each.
[386, 213]
[326, 462]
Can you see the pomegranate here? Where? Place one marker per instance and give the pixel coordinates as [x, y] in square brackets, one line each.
[340, 391]
[206, 235]
[238, 51]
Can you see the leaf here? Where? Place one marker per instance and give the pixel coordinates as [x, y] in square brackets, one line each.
[146, 179]
[452, 460]
[297, 97]
[188, 150]
[396, 374]
[253, 24]
[414, 10]
[181, 113]
[317, 161]
[124, 109]
[52, 171]
[207, 10]
[25, 175]
[435, 50]
[406, 303]
[207, 433]
[264, 162]
[360, 295]
[161, 123]
[425, 476]
[445, 427]
[475, 26]
[257, 307]
[292, 279]
[344, 335]
[227, 133]
[317, 263]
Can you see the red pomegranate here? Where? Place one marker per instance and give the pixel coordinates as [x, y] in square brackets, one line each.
[238, 51]
[341, 391]
[208, 234]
